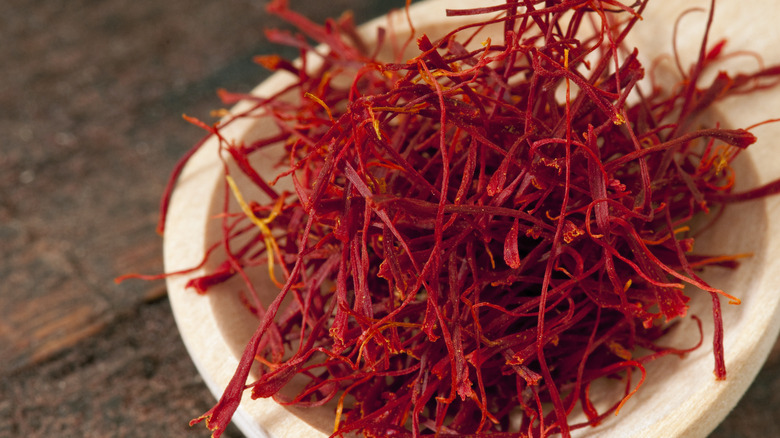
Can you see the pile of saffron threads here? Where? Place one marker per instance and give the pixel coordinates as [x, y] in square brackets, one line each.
[476, 235]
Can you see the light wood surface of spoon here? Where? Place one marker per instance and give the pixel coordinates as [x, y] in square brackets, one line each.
[680, 398]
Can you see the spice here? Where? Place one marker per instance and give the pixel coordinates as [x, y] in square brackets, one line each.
[480, 232]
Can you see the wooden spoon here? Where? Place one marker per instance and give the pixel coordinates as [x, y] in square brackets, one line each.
[680, 398]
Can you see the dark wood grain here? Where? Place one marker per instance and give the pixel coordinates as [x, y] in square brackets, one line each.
[133, 380]
[92, 106]
[91, 97]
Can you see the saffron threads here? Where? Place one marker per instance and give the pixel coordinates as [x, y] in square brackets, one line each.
[477, 233]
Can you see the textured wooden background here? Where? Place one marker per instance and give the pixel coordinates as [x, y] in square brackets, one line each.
[91, 97]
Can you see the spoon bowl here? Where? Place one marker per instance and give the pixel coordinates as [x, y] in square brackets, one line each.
[680, 398]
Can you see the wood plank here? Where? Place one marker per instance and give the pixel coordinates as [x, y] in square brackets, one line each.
[91, 117]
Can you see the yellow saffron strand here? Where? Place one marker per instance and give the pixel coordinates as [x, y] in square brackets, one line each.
[375, 123]
[270, 243]
[668, 236]
[320, 103]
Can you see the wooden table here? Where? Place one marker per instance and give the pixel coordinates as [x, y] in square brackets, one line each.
[90, 114]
